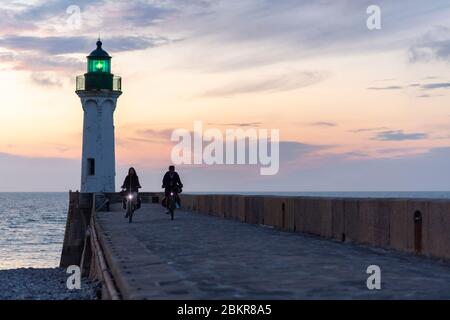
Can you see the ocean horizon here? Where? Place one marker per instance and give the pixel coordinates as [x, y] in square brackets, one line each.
[32, 224]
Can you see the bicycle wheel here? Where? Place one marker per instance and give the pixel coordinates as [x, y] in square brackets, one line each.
[130, 214]
[171, 207]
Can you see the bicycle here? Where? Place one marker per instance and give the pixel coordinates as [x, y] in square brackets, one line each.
[171, 204]
[131, 206]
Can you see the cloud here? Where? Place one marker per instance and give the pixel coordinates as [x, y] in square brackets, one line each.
[102, 15]
[45, 80]
[139, 14]
[289, 150]
[433, 45]
[40, 54]
[44, 10]
[295, 151]
[247, 33]
[386, 88]
[399, 135]
[423, 96]
[368, 129]
[152, 135]
[398, 153]
[279, 83]
[237, 124]
[433, 86]
[44, 38]
[334, 172]
[42, 63]
[21, 173]
[355, 154]
[431, 78]
[416, 172]
[256, 33]
[71, 45]
[323, 124]
[422, 86]
[6, 57]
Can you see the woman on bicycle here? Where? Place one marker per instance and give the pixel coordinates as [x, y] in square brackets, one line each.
[131, 185]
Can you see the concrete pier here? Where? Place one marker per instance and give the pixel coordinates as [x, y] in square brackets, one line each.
[236, 247]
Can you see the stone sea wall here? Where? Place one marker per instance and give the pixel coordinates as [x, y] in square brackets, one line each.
[408, 225]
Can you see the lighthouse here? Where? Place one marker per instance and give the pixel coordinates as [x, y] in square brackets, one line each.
[98, 90]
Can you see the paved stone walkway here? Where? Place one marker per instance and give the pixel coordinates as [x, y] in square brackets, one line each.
[202, 257]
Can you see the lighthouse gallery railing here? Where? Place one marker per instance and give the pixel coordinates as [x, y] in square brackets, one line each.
[81, 83]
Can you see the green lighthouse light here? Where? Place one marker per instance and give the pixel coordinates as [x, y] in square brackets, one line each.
[95, 65]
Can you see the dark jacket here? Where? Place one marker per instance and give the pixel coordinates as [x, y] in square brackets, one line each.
[131, 182]
[171, 181]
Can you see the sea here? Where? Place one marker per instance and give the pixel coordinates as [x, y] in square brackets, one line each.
[32, 225]
[32, 229]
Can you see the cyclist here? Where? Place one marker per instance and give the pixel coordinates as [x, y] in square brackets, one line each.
[172, 183]
[131, 186]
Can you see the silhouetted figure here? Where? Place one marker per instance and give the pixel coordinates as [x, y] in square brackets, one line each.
[172, 183]
[131, 185]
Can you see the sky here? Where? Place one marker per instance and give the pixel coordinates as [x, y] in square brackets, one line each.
[357, 109]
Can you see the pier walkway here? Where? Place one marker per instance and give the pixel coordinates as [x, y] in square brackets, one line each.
[203, 257]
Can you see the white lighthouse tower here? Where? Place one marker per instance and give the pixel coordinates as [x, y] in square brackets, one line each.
[98, 90]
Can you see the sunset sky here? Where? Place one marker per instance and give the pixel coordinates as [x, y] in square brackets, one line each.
[357, 109]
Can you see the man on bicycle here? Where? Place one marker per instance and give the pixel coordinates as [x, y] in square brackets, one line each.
[172, 183]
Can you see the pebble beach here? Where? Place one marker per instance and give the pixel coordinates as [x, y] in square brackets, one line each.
[42, 284]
